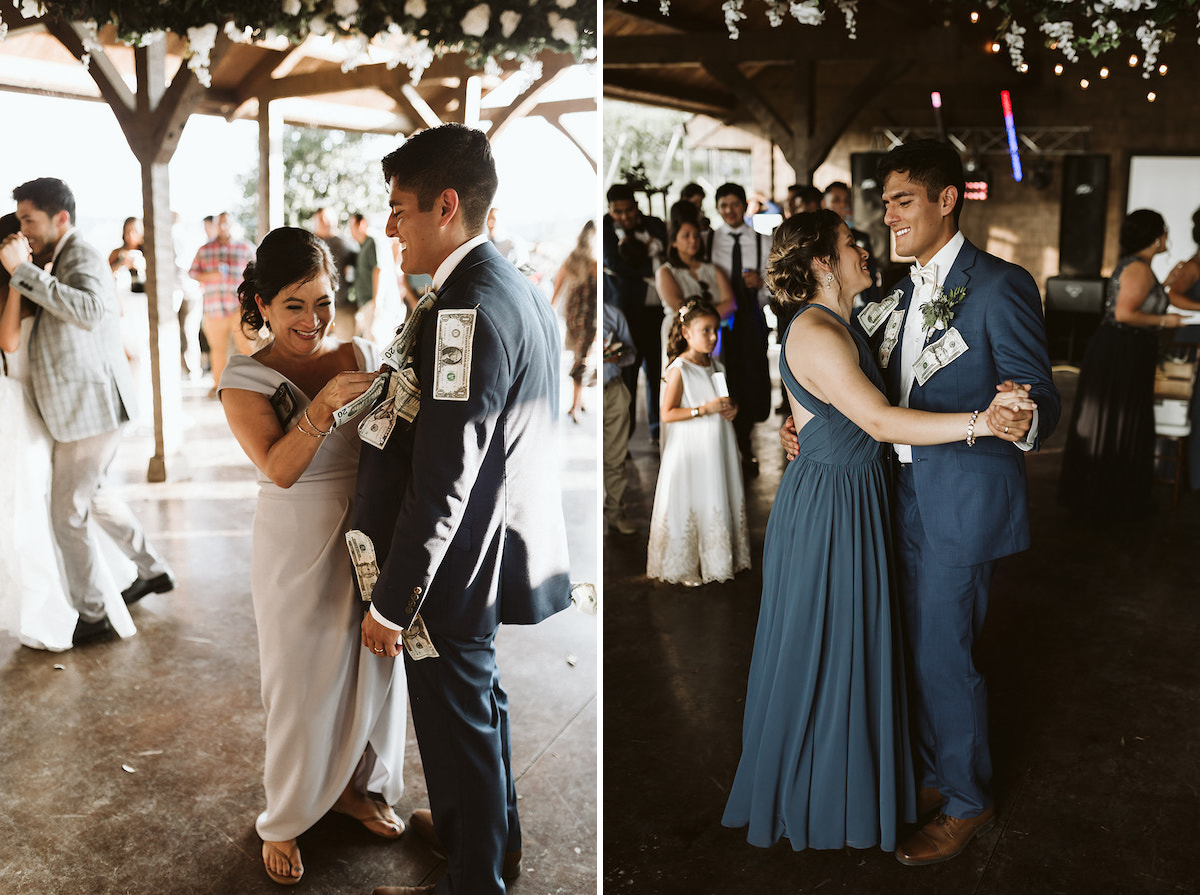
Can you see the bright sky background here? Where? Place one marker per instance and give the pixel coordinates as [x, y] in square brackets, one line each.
[547, 188]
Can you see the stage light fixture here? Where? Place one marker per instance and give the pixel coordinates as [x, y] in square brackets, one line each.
[1011, 129]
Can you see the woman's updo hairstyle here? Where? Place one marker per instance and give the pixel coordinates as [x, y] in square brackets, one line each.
[800, 240]
[691, 310]
[286, 255]
[1139, 229]
[682, 212]
[1196, 227]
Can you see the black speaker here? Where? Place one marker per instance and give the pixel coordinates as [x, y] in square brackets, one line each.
[1081, 226]
[866, 198]
[1074, 308]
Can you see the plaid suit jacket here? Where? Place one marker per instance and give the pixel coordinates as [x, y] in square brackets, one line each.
[77, 367]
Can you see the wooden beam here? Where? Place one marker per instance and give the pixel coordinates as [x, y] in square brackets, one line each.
[638, 88]
[263, 70]
[778, 45]
[547, 110]
[730, 76]
[112, 86]
[553, 120]
[882, 75]
[553, 65]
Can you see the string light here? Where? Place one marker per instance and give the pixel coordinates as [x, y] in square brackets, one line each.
[995, 47]
[1024, 68]
[1084, 83]
[1152, 96]
[1104, 72]
[974, 17]
[1058, 69]
[1162, 69]
[1133, 60]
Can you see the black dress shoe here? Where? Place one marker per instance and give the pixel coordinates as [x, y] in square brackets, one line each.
[750, 468]
[159, 584]
[92, 632]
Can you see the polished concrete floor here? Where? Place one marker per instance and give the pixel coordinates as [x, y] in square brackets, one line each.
[1090, 649]
[134, 767]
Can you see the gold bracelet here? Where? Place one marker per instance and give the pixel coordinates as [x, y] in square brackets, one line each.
[306, 432]
[315, 428]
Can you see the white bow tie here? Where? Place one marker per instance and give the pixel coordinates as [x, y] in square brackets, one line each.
[926, 274]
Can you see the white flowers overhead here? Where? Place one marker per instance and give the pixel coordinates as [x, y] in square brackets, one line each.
[409, 32]
[733, 15]
[475, 22]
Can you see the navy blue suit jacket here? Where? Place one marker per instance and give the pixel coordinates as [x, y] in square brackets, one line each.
[973, 500]
[465, 508]
[622, 279]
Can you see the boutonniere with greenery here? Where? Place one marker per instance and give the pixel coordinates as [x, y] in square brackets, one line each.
[939, 311]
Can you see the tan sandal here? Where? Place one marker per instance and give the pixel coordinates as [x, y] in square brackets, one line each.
[382, 820]
[289, 879]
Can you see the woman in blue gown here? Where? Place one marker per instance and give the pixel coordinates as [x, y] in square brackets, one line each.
[825, 752]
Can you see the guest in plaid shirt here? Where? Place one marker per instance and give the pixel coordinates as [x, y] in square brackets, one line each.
[218, 269]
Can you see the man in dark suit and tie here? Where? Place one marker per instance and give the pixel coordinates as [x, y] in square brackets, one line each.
[464, 507]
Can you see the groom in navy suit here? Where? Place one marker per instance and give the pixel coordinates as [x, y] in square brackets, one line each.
[958, 507]
[464, 508]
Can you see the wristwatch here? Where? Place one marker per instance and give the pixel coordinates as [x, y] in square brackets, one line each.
[695, 412]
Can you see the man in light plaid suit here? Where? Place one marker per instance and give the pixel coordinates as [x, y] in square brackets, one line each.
[84, 391]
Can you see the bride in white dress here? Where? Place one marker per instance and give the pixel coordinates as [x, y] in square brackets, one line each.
[33, 600]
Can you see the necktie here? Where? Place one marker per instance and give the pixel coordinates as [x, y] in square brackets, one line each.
[926, 274]
[735, 268]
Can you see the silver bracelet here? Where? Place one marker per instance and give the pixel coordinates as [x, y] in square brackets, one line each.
[319, 433]
[971, 429]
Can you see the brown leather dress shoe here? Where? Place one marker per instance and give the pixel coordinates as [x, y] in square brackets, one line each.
[421, 823]
[943, 838]
[929, 800]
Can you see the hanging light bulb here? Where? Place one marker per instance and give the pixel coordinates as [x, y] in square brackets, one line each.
[1104, 72]
[1133, 60]
[974, 17]
[1151, 96]
[995, 47]
[1058, 69]
[1084, 83]
[1162, 69]
[1024, 68]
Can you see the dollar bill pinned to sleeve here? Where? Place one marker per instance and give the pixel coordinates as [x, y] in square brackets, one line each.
[938, 355]
[416, 640]
[366, 566]
[452, 354]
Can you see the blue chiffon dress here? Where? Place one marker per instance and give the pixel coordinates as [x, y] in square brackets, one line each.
[825, 750]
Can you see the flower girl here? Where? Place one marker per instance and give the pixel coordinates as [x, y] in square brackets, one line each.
[698, 526]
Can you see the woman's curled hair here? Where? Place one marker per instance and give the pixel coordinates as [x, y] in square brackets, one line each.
[1139, 229]
[692, 308]
[800, 240]
[286, 255]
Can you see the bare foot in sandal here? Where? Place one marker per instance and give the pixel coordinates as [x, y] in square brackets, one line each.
[377, 817]
[281, 860]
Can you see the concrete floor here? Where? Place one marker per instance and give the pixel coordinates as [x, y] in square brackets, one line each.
[135, 766]
[1090, 652]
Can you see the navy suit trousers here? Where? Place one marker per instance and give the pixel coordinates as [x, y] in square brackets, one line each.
[460, 715]
[944, 608]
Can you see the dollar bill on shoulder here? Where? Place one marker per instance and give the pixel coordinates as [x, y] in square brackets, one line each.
[416, 640]
[344, 414]
[366, 566]
[452, 354]
[938, 355]
[870, 317]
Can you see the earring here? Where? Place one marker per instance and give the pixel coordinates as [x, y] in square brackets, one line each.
[828, 278]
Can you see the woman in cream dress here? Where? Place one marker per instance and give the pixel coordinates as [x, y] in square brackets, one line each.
[335, 713]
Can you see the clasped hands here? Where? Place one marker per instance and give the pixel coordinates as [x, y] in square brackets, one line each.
[14, 251]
